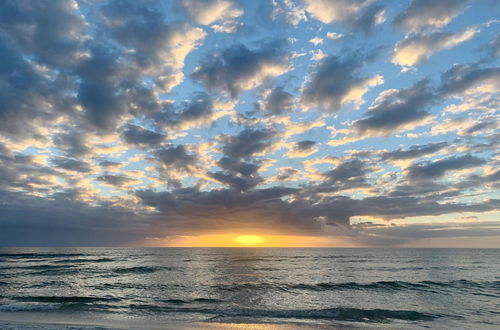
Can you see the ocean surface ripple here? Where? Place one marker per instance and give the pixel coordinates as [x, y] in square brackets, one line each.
[391, 288]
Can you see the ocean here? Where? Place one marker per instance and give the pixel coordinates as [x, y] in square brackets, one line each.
[258, 288]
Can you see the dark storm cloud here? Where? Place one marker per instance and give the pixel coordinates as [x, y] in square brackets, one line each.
[462, 77]
[414, 151]
[437, 169]
[397, 109]
[176, 157]
[331, 80]
[140, 136]
[71, 164]
[232, 69]
[428, 13]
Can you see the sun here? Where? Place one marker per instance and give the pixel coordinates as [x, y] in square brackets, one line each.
[249, 240]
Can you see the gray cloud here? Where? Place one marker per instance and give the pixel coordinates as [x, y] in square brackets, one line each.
[305, 145]
[395, 109]
[331, 81]
[140, 136]
[239, 68]
[176, 157]
[114, 180]
[462, 77]
[71, 164]
[277, 102]
[437, 169]
[247, 142]
[414, 151]
[423, 14]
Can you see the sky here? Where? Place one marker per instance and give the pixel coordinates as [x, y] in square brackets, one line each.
[346, 123]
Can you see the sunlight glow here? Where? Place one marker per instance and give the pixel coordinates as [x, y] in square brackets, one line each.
[255, 240]
[249, 240]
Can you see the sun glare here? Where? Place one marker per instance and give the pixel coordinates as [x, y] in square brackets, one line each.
[249, 240]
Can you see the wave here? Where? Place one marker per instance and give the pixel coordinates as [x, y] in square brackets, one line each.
[40, 255]
[140, 269]
[339, 314]
[196, 300]
[69, 261]
[27, 306]
[428, 286]
[67, 299]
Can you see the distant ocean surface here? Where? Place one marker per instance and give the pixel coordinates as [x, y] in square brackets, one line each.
[99, 288]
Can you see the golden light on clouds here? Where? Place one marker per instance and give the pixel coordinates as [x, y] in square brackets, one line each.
[253, 240]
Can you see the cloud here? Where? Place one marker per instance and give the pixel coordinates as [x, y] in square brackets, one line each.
[437, 169]
[395, 110]
[116, 180]
[238, 68]
[334, 83]
[176, 157]
[140, 136]
[422, 14]
[53, 30]
[71, 164]
[302, 149]
[207, 12]
[289, 10]
[417, 49]
[414, 151]
[329, 11]
[247, 143]
[357, 14]
[158, 48]
[239, 168]
[462, 78]
[276, 101]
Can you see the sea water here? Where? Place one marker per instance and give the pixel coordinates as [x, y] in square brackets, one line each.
[52, 288]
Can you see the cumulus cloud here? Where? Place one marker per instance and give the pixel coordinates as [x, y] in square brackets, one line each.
[302, 149]
[419, 48]
[289, 10]
[206, 12]
[239, 68]
[394, 110]
[334, 83]
[329, 11]
[422, 14]
[276, 101]
[437, 169]
[140, 136]
[359, 14]
[158, 48]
